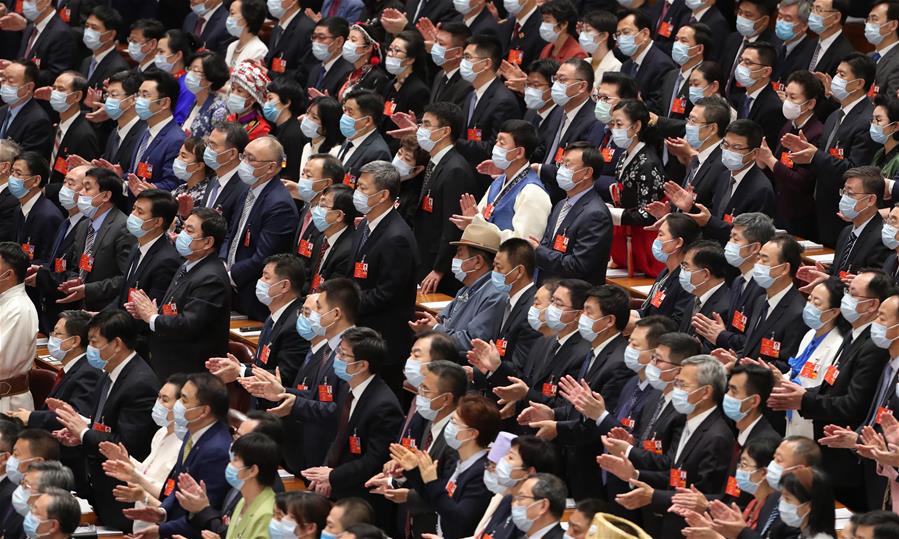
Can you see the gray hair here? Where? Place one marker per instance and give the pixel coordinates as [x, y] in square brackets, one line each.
[384, 175]
[552, 489]
[757, 227]
[710, 372]
[9, 151]
[53, 474]
[804, 9]
[64, 509]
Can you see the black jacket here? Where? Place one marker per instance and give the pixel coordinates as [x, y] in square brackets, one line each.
[767, 111]
[333, 78]
[30, 128]
[38, 229]
[54, 50]
[656, 64]
[455, 89]
[153, 274]
[287, 48]
[110, 253]
[753, 194]
[111, 64]
[80, 139]
[77, 387]
[867, 252]
[778, 327]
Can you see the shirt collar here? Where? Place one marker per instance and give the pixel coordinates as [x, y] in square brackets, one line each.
[754, 95]
[524, 19]
[698, 14]
[642, 56]
[114, 373]
[158, 127]
[258, 189]
[858, 331]
[514, 299]
[98, 220]
[358, 141]
[439, 155]
[286, 22]
[463, 465]
[572, 200]
[694, 422]
[742, 174]
[68, 366]
[569, 116]
[195, 437]
[374, 222]
[277, 314]
[543, 115]
[704, 154]
[332, 239]
[208, 15]
[225, 178]
[775, 299]
[334, 341]
[124, 130]
[744, 434]
[543, 531]
[601, 346]
[857, 230]
[43, 24]
[26, 208]
[791, 46]
[479, 92]
[883, 52]
[144, 249]
[64, 126]
[360, 389]
[100, 56]
[437, 427]
[563, 340]
[190, 265]
[852, 105]
[705, 297]
[318, 346]
[828, 41]
[327, 65]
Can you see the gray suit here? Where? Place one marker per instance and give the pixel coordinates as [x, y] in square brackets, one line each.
[111, 251]
[472, 314]
[887, 76]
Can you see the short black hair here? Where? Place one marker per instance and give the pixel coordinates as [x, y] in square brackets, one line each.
[578, 289]
[811, 86]
[563, 11]
[641, 18]
[442, 346]
[370, 104]
[181, 41]
[767, 53]
[702, 34]
[344, 294]
[582, 68]
[63, 508]
[337, 26]
[215, 69]
[166, 85]
[790, 251]
[329, 113]
[614, 301]
[76, 323]
[447, 114]
[41, 443]
[37, 165]
[213, 225]
[365, 531]
[291, 267]
[716, 111]
[343, 200]
[332, 168]
[235, 134]
[253, 13]
[150, 28]
[545, 67]
[891, 105]
[626, 86]
[683, 227]
[367, 345]
[31, 69]
[162, 204]
[451, 377]
[523, 134]
[657, 325]
[107, 182]
[862, 66]
[9, 433]
[880, 286]
[129, 80]
[590, 156]
[267, 423]
[603, 21]
[110, 18]
[709, 255]
[767, 7]
[290, 93]
[257, 449]
[211, 392]
[459, 31]
[759, 380]
[355, 511]
[488, 46]
[871, 178]
[681, 346]
[79, 81]
[761, 449]
[520, 252]
[749, 129]
[711, 71]
[113, 324]
[536, 453]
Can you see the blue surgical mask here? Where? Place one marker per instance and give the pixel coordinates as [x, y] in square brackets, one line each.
[745, 483]
[680, 53]
[512, 6]
[654, 377]
[627, 45]
[745, 26]
[533, 98]
[692, 135]
[160, 414]
[587, 42]
[789, 513]
[233, 27]
[30, 10]
[231, 476]
[17, 187]
[680, 399]
[423, 136]
[94, 359]
[877, 134]
[412, 371]
[520, 517]
[309, 128]
[732, 407]
[621, 138]
[193, 82]
[393, 65]
[30, 526]
[423, 407]
[320, 218]
[685, 279]
[534, 318]
[360, 202]
[340, 369]
[262, 294]
[199, 9]
[838, 88]
[349, 52]
[12, 470]
[554, 318]
[86, 207]
[315, 322]
[762, 275]
[872, 33]
[449, 434]
[585, 327]
[438, 54]
[785, 31]
[816, 23]
[179, 169]
[320, 51]
[403, 168]
[879, 335]
[304, 327]
[548, 32]
[504, 474]
[632, 358]
[91, 39]
[732, 254]
[20, 498]
[327, 535]
[282, 529]
[888, 236]
[492, 483]
[564, 177]
[657, 252]
[744, 76]
[67, 197]
[54, 347]
[58, 101]
[498, 279]
[696, 93]
[135, 226]
[135, 52]
[9, 94]
[142, 108]
[456, 267]
[305, 189]
[211, 158]
[603, 111]
[773, 474]
[732, 160]
[113, 107]
[848, 306]
[163, 64]
[276, 8]
[500, 157]
[246, 173]
[179, 412]
[347, 126]
[236, 104]
[182, 244]
[811, 315]
[462, 6]
[466, 70]
[847, 207]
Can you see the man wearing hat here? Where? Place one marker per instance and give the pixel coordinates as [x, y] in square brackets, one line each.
[472, 313]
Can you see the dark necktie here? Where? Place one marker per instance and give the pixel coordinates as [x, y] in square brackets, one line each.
[61, 235]
[31, 39]
[6, 122]
[747, 106]
[343, 151]
[875, 56]
[426, 183]
[649, 429]
[135, 262]
[883, 393]
[265, 337]
[88, 249]
[441, 86]
[172, 287]
[471, 104]
[320, 259]
[429, 438]
[366, 232]
[114, 143]
[334, 452]
[733, 67]
[321, 76]
[104, 394]
[335, 5]
[664, 14]
[691, 171]
[836, 127]
[275, 37]
[847, 250]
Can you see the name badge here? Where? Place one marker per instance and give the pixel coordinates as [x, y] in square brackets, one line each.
[325, 393]
[170, 309]
[86, 263]
[830, 375]
[607, 154]
[658, 298]
[427, 204]
[501, 346]
[653, 446]
[389, 107]
[263, 354]
[732, 489]
[679, 105]
[739, 321]
[488, 211]
[677, 478]
[360, 270]
[60, 166]
[665, 29]
[836, 153]
[59, 265]
[560, 244]
[349, 179]
[279, 65]
[355, 445]
[770, 348]
[144, 170]
[28, 249]
[474, 134]
[785, 159]
[809, 370]
[450, 488]
[516, 56]
[305, 248]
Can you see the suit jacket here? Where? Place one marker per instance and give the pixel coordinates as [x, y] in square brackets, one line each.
[290, 46]
[891, 267]
[753, 194]
[206, 461]
[583, 127]
[387, 301]
[372, 148]
[733, 46]
[472, 313]
[767, 111]
[333, 78]
[422, 513]
[9, 205]
[852, 146]
[794, 186]
[338, 263]
[656, 64]
[450, 179]
[53, 51]
[713, 19]
[110, 252]
[831, 58]
[435, 11]
[546, 130]
[455, 89]
[48, 279]
[497, 105]
[579, 247]
[778, 327]
[527, 39]
[285, 347]
[77, 387]
[678, 14]
[675, 119]
[154, 273]
[198, 329]
[122, 151]
[742, 300]
[39, 228]
[411, 96]
[126, 414]
[267, 231]
[227, 199]
[673, 299]
[159, 155]
[798, 59]
[30, 128]
[485, 23]
[111, 64]
[548, 363]
[707, 177]
[460, 511]
[868, 251]
[215, 36]
[718, 302]
[80, 139]
[887, 76]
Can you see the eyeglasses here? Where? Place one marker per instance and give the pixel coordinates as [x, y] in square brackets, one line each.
[566, 81]
[727, 146]
[253, 160]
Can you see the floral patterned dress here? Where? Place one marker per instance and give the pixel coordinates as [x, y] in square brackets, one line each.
[197, 192]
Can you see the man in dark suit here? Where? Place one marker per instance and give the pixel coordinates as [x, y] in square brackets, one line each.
[100, 32]
[667, 20]
[846, 394]
[22, 119]
[321, 171]
[702, 274]
[120, 147]
[520, 34]
[143, 38]
[707, 13]
[700, 458]
[798, 46]
[488, 105]
[122, 408]
[158, 146]
[206, 22]
[384, 260]
[289, 41]
[27, 446]
[544, 512]
[368, 416]
[364, 142]
[845, 142]
[153, 259]
[579, 230]
[832, 45]
[451, 38]
[646, 63]
[224, 146]
[755, 28]
[262, 227]
[329, 73]
[74, 135]
[332, 251]
[542, 111]
[9, 152]
[760, 103]
[191, 321]
[447, 177]
[48, 42]
[859, 245]
[37, 218]
[885, 55]
[479, 19]
[102, 248]
[575, 122]
[706, 126]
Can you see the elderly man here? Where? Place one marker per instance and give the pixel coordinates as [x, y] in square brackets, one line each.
[18, 330]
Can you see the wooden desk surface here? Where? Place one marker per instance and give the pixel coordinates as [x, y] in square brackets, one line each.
[629, 284]
[431, 298]
[251, 341]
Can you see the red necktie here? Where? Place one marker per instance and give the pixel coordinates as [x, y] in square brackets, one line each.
[58, 380]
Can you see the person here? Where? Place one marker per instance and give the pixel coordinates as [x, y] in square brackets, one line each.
[100, 30]
[288, 41]
[19, 325]
[346, 513]
[246, 96]
[558, 29]
[476, 17]
[175, 49]
[224, 146]
[710, 295]
[580, 520]
[820, 346]
[364, 143]
[646, 62]
[878, 32]
[381, 272]
[253, 452]
[745, 383]
[792, 28]
[120, 106]
[143, 38]
[205, 462]
[190, 167]
[103, 246]
[158, 146]
[640, 180]
[122, 412]
[806, 501]
[327, 75]
[22, 119]
[411, 161]
[207, 23]
[198, 297]
[542, 111]
[406, 91]
[265, 223]
[886, 113]
[520, 34]
[875, 524]
[538, 506]
[360, 446]
[299, 511]
[332, 250]
[207, 74]
[667, 296]
[700, 457]
[244, 21]
[602, 57]
[490, 104]
[74, 135]
[9, 152]
[846, 141]
[284, 105]
[760, 103]
[57, 507]
[362, 49]
[754, 26]
[319, 172]
[704, 129]
[758, 515]
[450, 44]
[37, 218]
[471, 313]
[321, 125]
[890, 265]
[38, 477]
[67, 344]
[50, 41]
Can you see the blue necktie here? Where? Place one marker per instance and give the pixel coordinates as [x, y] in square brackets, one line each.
[63, 228]
[264, 336]
[876, 57]
[747, 105]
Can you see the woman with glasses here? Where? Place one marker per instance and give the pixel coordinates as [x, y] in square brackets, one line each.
[884, 131]
[363, 51]
[559, 30]
[750, 478]
[244, 22]
[190, 168]
[407, 91]
[207, 75]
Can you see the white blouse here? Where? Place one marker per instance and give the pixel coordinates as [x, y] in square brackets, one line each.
[255, 49]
